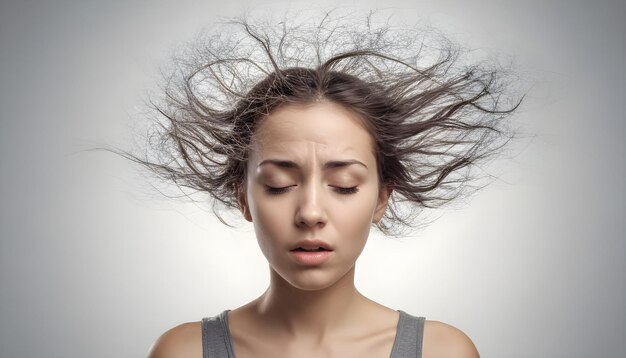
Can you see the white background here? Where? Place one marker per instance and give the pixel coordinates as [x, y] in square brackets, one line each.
[93, 263]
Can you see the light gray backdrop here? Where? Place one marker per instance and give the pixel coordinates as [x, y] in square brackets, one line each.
[94, 264]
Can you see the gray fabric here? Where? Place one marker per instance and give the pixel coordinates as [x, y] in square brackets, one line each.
[216, 337]
[409, 336]
[407, 344]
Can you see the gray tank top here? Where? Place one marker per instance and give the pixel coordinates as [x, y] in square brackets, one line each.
[216, 342]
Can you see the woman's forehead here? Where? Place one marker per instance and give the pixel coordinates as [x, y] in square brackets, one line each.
[323, 128]
[305, 151]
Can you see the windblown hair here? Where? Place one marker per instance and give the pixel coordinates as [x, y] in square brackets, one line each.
[432, 117]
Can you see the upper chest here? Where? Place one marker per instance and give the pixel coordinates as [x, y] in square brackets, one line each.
[377, 344]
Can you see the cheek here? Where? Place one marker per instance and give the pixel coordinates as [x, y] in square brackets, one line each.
[353, 218]
[270, 219]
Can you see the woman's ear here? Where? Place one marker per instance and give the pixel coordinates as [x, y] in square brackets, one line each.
[383, 199]
[240, 193]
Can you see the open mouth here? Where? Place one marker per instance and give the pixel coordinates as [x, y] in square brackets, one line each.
[311, 245]
[310, 250]
[311, 256]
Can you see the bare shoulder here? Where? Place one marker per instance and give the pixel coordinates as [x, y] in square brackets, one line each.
[182, 341]
[442, 340]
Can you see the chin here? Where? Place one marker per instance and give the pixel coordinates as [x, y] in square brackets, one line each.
[312, 279]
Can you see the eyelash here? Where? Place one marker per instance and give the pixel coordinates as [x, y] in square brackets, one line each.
[346, 191]
[276, 191]
[340, 190]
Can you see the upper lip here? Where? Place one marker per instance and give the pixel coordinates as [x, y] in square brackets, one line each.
[311, 244]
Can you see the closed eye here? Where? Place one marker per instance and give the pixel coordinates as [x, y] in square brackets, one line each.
[351, 190]
[276, 191]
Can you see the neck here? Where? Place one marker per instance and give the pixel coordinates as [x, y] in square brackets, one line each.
[310, 313]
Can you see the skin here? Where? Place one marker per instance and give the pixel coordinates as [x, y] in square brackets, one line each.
[313, 311]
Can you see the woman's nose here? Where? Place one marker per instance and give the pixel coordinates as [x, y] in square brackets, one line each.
[311, 210]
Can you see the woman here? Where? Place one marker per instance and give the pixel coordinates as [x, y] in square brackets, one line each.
[315, 134]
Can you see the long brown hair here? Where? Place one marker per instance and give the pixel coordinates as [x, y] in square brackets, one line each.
[431, 123]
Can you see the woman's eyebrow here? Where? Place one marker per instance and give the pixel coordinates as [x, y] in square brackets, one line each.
[330, 164]
[342, 163]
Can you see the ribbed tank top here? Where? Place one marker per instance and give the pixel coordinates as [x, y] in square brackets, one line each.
[216, 341]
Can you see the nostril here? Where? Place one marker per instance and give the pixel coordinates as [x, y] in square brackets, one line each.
[304, 224]
[310, 219]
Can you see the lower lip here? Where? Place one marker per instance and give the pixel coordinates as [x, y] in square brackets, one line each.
[310, 257]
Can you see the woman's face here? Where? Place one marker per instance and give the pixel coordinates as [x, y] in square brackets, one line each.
[312, 176]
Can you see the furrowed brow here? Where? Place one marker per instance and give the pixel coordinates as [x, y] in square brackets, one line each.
[328, 165]
[342, 163]
[280, 163]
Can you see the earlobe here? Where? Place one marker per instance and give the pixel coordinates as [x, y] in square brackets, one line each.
[243, 204]
[383, 199]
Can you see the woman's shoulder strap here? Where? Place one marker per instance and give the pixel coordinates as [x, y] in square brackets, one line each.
[216, 337]
[409, 336]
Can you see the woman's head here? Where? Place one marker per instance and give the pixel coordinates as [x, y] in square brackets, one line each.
[312, 175]
[427, 123]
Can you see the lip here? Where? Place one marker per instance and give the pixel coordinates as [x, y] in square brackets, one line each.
[312, 258]
[308, 244]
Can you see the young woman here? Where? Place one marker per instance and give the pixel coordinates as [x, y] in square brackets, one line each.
[316, 134]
